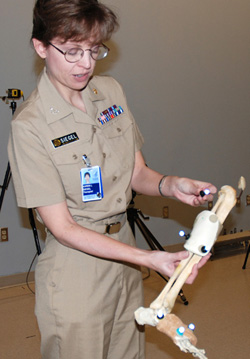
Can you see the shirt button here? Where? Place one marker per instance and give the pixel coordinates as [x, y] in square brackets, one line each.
[119, 200]
[104, 155]
[114, 178]
[118, 129]
[94, 129]
[75, 157]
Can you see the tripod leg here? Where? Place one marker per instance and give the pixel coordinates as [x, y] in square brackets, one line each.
[34, 229]
[245, 262]
[150, 239]
[131, 212]
[5, 184]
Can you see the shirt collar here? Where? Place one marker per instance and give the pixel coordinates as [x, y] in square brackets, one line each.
[56, 108]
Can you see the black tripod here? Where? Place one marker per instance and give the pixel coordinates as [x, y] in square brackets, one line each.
[4, 187]
[7, 176]
[134, 218]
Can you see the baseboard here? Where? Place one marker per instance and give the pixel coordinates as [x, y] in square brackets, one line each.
[15, 279]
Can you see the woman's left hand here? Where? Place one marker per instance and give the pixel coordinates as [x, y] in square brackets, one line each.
[189, 191]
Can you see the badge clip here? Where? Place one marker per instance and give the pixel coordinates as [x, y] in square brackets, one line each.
[86, 160]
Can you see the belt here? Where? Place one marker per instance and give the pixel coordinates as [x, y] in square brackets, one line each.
[113, 228]
[102, 227]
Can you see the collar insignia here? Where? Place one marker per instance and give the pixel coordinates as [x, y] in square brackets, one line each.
[54, 111]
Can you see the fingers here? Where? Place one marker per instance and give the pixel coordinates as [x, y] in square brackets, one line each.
[175, 259]
[195, 193]
[202, 197]
[206, 191]
[203, 192]
[206, 188]
[166, 263]
[204, 260]
[196, 268]
[181, 255]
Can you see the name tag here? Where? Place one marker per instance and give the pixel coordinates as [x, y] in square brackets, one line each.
[91, 183]
[65, 140]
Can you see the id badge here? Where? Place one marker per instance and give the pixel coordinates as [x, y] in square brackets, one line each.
[91, 183]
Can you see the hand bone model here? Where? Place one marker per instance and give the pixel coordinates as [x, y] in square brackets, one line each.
[206, 229]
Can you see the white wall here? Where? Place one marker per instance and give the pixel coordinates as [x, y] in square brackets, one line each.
[184, 65]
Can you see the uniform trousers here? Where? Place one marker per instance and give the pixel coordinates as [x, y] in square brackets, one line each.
[85, 305]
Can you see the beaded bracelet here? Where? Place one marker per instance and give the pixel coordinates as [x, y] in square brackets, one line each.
[160, 185]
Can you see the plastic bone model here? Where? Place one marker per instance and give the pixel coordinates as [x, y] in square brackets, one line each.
[206, 229]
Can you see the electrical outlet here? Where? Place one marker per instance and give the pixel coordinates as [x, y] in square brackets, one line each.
[248, 200]
[165, 212]
[4, 235]
[237, 202]
[210, 205]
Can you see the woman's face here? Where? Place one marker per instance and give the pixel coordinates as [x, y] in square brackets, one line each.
[67, 77]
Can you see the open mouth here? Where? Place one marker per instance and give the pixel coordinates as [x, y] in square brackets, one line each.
[80, 76]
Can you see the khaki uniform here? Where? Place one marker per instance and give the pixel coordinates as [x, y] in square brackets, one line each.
[84, 304]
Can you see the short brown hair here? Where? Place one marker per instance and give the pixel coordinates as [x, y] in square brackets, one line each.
[78, 20]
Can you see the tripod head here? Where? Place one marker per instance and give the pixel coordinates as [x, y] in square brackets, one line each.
[132, 203]
[12, 95]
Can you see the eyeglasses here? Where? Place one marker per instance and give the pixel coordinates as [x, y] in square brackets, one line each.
[75, 54]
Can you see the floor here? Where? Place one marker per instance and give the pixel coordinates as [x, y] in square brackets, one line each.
[219, 305]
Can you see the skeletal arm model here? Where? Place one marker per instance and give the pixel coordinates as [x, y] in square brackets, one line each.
[206, 229]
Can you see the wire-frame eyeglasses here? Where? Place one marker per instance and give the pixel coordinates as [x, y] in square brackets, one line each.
[75, 54]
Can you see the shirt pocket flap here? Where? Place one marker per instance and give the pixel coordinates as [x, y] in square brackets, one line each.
[118, 127]
[71, 154]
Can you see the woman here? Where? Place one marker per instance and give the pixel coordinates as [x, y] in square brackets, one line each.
[88, 282]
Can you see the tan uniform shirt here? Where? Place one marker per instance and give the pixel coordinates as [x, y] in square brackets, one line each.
[48, 139]
[49, 136]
